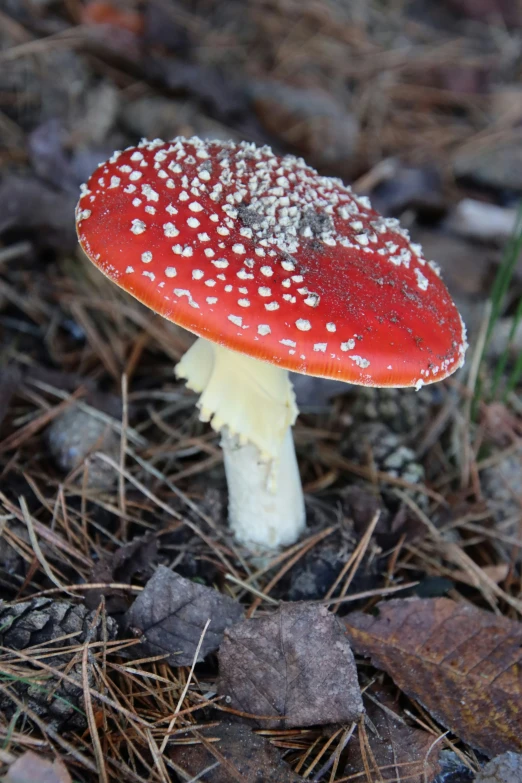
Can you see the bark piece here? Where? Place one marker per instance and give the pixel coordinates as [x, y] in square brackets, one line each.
[461, 663]
[295, 665]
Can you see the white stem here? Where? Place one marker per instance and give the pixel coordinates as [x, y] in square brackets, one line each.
[252, 403]
[266, 505]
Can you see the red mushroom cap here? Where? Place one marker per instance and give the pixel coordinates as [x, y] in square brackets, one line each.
[262, 255]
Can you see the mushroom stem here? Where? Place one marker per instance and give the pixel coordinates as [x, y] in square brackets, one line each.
[265, 499]
[252, 403]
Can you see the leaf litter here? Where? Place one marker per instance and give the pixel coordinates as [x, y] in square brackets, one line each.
[391, 747]
[294, 666]
[170, 614]
[461, 663]
[232, 752]
[415, 104]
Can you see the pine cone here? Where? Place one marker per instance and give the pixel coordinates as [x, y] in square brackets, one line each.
[404, 411]
[376, 440]
[37, 623]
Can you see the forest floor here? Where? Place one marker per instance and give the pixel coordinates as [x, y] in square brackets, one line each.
[112, 492]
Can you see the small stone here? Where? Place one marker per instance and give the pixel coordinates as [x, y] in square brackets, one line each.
[74, 435]
[506, 768]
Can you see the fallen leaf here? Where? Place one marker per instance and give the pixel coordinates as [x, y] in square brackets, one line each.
[238, 755]
[46, 147]
[493, 11]
[506, 768]
[295, 665]
[107, 13]
[461, 663]
[401, 752]
[27, 204]
[138, 556]
[310, 120]
[31, 768]
[170, 615]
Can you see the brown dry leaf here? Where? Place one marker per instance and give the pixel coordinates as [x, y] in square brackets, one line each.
[401, 752]
[171, 613]
[239, 755]
[31, 768]
[295, 664]
[461, 663]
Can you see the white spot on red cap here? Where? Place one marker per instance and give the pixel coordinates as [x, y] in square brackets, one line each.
[359, 361]
[149, 193]
[138, 226]
[312, 300]
[422, 281]
[170, 230]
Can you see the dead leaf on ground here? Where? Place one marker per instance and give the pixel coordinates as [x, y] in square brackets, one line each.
[238, 755]
[170, 615]
[30, 768]
[401, 752]
[506, 768]
[138, 556]
[461, 663]
[27, 204]
[295, 664]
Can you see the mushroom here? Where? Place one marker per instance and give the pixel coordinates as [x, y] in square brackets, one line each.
[274, 268]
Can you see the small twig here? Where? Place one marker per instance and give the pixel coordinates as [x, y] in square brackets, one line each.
[251, 589]
[36, 547]
[91, 720]
[185, 689]
[355, 560]
[123, 448]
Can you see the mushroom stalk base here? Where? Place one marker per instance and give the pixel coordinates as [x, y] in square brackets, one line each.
[263, 512]
[252, 404]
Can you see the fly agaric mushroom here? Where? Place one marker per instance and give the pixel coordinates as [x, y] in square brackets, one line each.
[275, 268]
